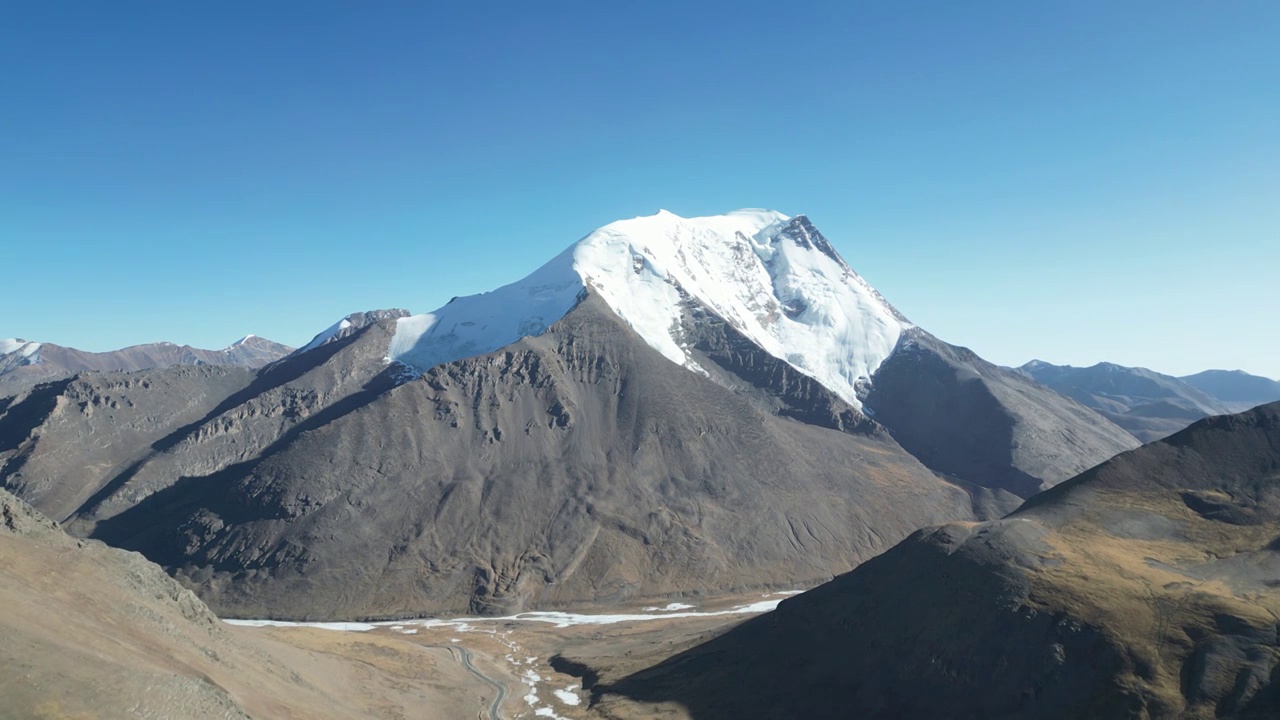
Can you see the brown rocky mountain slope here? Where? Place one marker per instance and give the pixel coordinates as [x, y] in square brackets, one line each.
[89, 632]
[569, 469]
[576, 467]
[1147, 587]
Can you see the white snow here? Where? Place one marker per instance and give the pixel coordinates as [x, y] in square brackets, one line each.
[798, 303]
[671, 607]
[342, 626]
[529, 677]
[320, 339]
[564, 619]
[556, 618]
[479, 324]
[24, 348]
[569, 695]
[532, 679]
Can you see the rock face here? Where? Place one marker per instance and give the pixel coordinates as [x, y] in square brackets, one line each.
[575, 467]
[350, 325]
[985, 424]
[24, 364]
[1148, 404]
[1148, 586]
[1238, 390]
[669, 406]
[91, 631]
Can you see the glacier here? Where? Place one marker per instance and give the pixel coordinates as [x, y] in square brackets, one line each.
[774, 278]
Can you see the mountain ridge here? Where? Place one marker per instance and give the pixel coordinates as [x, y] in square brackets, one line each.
[24, 363]
[775, 278]
[1236, 388]
[578, 463]
[1150, 404]
[1148, 586]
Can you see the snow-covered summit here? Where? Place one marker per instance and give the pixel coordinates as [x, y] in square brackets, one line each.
[350, 324]
[775, 278]
[17, 345]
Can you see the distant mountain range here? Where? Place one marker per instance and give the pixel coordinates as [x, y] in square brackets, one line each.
[671, 405]
[1148, 586]
[1238, 390]
[24, 363]
[1152, 405]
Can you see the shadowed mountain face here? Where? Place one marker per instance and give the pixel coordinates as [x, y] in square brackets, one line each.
[32, 363]
[1148, 586]
[575, 467]
[1148, 404]
[1238, 390]
[965, 417]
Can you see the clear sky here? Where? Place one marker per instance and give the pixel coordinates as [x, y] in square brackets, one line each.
[1073, 181]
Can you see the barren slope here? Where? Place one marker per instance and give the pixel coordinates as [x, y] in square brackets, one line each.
[985, 424]
[710, 415]
[1146, 587]
[576, 467]
[93, 632]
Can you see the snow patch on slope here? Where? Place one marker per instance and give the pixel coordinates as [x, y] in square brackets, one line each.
[769, 603]
[774, 278]
[22, 347]
[478, 324]
[324, 336]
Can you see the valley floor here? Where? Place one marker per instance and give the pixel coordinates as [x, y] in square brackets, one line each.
[531, 665]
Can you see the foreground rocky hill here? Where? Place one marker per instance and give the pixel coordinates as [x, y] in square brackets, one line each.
[93, 632]
[1146, 587]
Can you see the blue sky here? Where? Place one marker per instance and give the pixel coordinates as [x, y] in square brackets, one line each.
[1075, 181]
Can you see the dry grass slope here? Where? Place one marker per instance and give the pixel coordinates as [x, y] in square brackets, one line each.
[1148, 587]
[93, 632]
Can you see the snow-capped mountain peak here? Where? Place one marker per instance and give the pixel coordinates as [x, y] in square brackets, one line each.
[25, 350]
[350, 324]
[775, 278]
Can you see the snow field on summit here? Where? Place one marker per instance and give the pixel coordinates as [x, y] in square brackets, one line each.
[772, 277]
